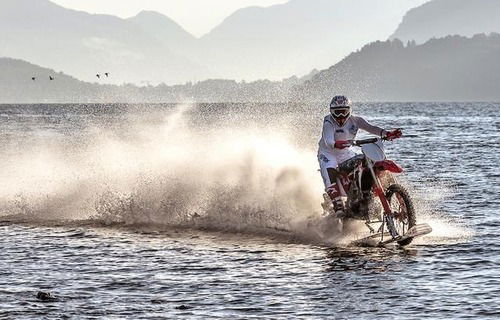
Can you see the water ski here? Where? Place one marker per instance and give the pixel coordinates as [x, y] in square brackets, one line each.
[375, 239]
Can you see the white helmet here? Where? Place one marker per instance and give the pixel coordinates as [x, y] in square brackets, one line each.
[340, 108]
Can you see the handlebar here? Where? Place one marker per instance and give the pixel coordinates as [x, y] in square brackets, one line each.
[359, 143]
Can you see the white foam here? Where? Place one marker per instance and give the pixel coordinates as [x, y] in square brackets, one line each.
[164, 173]
[445, 228]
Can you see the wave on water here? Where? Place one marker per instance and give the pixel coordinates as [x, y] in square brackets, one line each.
[172, 174]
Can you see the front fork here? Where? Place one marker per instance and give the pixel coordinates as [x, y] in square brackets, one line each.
[378, 189]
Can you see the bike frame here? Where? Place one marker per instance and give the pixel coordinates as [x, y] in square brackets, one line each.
[377, 188]
[373, 175]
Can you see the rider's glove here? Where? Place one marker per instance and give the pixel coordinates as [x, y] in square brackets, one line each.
[391, 135]
[342, 144]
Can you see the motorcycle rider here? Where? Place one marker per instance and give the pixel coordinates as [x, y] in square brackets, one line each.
[339, 127]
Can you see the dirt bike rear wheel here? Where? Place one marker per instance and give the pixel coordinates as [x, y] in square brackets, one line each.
[403, 210]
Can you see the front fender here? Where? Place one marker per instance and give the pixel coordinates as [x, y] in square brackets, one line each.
[388, 165]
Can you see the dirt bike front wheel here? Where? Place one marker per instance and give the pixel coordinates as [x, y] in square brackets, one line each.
[403, 210]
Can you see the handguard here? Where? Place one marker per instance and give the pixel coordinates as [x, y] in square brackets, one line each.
[395, 134]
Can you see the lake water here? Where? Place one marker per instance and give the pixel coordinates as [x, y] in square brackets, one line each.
[200, 211]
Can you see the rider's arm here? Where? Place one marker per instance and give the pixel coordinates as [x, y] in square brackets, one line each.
[328, 134]
[364, 125]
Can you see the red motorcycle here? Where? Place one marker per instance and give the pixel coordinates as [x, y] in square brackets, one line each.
[371, 176]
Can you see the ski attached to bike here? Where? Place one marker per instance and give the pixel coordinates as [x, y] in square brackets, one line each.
[380, 240]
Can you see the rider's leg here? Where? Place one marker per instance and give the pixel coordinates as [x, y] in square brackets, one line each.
[328, 168]
[334, 191]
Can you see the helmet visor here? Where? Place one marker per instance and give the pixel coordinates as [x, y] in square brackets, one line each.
[340, 112]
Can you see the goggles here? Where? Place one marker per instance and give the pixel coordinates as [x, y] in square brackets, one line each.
[340, 112]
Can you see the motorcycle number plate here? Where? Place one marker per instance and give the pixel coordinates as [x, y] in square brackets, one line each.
[374, 151]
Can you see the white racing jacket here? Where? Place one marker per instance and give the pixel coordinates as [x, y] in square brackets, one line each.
[333, 132]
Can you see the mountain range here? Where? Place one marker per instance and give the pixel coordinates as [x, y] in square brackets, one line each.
[295, 37]
[253, 43]
[140, 49]
[439, 18]
[83, 44]
[24, 82]
[453, 68]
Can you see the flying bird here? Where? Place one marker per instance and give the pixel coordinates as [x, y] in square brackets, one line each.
[33, 78]
[106, 74]
[51, 78]
[98, 76]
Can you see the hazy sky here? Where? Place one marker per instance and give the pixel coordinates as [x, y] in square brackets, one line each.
[196, 16]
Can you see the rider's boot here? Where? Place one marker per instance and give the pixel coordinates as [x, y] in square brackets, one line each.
[338, 206]
[327, 204]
